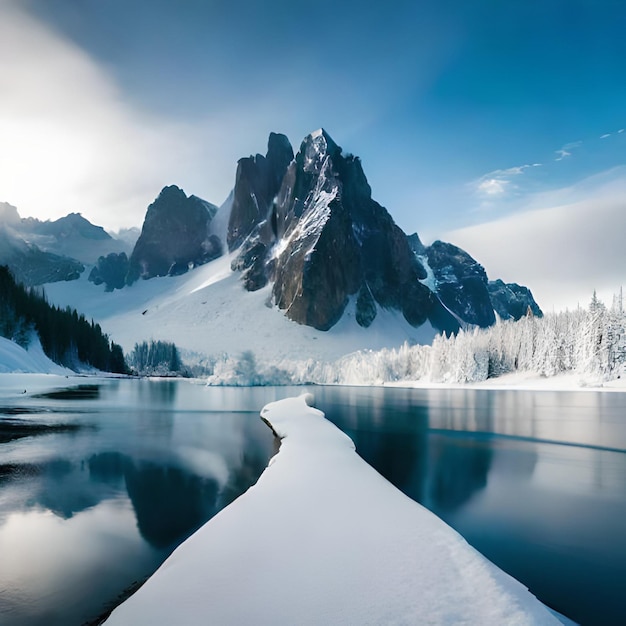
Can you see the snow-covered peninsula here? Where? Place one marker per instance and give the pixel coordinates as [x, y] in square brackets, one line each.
[323, 538]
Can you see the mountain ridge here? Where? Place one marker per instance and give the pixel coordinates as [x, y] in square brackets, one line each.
[303, 229]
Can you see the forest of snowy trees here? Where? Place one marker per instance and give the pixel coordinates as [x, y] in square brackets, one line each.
[66, 336]
[156, 358]
[590, 343]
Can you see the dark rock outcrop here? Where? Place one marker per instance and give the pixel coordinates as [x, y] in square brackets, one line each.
[174, 237]
[512, 301]
[365, 307]
[461, 284]
[322, 239]
[257, 182]
[416, 245]
[110, 270]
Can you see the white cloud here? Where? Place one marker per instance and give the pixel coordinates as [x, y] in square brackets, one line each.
[566, 150]
[605, 135]
[569, 243]
[498, 182]
[492, 186]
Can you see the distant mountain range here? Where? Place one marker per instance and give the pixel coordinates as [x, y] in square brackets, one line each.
[304, 227]
[40, 252]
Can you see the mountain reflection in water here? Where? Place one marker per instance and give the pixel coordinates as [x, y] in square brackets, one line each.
[121, 474]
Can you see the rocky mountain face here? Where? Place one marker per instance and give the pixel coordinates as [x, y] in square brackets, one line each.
[304, 224]
[461, 283]
[175, 236]
[110, 270]
[257, 182]
[324, 240]
[39, 252]
[512, 301]
[321, 240]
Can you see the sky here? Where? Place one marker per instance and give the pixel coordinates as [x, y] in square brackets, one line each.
[498, 126]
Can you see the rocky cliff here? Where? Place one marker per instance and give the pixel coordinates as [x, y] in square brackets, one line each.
[461, 283]
[174, 237]
[324, 240]
[512, 301]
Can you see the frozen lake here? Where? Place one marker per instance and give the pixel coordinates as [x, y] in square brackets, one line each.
[535, 480]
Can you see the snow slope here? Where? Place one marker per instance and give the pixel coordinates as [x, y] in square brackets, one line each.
[14, 359]
[208, 312]
[322, 538]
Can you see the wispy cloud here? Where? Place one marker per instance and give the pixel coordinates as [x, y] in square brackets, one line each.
[566, 150]
[498, 182]
[605, 135]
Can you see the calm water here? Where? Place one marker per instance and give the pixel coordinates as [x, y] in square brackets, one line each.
[535, 480]
[86, 513]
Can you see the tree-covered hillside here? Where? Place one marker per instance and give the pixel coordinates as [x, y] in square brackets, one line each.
[65, 335]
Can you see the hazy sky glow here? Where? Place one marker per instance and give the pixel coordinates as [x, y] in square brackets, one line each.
[464, 113]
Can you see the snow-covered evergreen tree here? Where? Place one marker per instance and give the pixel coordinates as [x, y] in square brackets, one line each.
[156, 358]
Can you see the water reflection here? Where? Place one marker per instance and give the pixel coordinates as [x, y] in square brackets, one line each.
[80, 392]
[158, 460]
[157, 393]
[169, 504]
[459, 470]
[535, 480]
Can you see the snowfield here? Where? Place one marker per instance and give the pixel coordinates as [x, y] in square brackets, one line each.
[15, 359]
[322, 538]
[207, 312]
[234, 337]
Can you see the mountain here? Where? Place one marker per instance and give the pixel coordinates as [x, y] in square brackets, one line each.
[321, 240]
[175, 236]
[461, 283]
[299, 234]
[111, 270]
[39, 252]
[257, 181]
[32, 266]
[324, 240]
[71, 236]
[512, 301]
[9, 215]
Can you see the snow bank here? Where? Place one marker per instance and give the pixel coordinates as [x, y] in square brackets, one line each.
[322, 538]
[14, 359]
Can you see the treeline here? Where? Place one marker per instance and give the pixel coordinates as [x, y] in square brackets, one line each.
[590, 343]
[587, 342]
[156, 358]
[66, 337]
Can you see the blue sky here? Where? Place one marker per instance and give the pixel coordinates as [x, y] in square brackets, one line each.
[464, 113]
